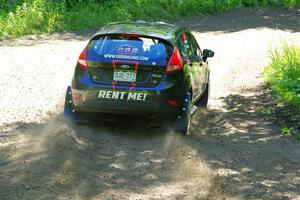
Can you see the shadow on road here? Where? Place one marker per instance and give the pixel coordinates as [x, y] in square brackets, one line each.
[245, 18]
[233, 152]
[247, 150]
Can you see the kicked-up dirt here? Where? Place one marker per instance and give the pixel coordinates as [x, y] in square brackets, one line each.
[234, 151]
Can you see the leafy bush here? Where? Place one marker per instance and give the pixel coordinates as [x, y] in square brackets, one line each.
[21, 17]
[283, 73]
[31, 17]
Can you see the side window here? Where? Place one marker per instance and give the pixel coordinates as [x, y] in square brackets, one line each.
[196, 50]
[184, 45]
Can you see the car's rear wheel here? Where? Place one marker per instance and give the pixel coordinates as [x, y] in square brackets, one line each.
[202, 102]
[185, 118]
[69, 111]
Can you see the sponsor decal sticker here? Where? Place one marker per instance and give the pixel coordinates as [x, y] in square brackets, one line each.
[134, 96]
[186, 43]
[183, 36]
[128, 50]
[127, 57]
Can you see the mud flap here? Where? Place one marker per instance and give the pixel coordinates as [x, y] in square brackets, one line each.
[70, 113]
[183, 121]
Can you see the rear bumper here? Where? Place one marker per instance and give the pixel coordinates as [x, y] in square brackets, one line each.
[103, 98]
[144, 108]
[99, 100]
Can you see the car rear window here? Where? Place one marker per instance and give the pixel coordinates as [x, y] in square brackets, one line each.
[146, 51]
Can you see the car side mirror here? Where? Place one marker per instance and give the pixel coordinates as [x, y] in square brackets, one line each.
[207, 54]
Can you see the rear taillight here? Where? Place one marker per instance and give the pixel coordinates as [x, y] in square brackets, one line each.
[173, 103]
[82, 59]
[175, 63]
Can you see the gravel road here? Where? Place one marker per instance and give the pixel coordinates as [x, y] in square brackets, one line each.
[234, 151]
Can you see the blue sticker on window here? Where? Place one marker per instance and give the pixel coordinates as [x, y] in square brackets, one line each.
[145, 52]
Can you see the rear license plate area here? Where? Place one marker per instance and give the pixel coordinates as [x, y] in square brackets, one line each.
[124, 75]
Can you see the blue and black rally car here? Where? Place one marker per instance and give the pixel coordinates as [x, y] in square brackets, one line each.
[145, 68]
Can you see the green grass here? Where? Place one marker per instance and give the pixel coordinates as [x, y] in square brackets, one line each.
[283, 76]
[283, 73]
[288, 131]
[39, 16]
[31, 17]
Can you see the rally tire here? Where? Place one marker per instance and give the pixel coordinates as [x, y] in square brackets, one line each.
[203, 101]
[185, 118]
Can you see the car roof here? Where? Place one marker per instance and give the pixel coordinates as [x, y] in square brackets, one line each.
[155, 29]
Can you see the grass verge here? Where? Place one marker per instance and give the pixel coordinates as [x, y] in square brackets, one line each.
[283, 77]
[283, 73]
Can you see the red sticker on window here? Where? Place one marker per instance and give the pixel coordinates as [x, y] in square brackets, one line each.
[183, 36]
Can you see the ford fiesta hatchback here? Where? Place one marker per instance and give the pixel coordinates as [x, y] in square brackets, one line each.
[140, 68]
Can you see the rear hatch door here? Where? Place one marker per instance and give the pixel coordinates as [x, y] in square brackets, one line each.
[127, 59]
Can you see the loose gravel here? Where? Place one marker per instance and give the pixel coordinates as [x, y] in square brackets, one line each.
[234, 151]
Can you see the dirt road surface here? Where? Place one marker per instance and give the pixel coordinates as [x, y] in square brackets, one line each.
[234, 151]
